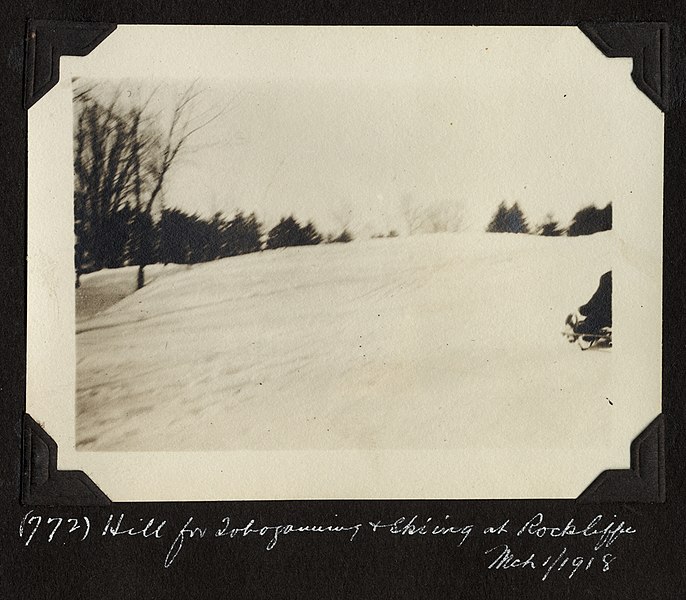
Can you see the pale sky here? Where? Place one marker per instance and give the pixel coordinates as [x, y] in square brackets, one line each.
[351, 126]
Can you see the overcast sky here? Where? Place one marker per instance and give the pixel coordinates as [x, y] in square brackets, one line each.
[357, 126]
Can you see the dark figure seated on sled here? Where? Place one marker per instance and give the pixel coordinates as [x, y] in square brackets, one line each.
[597, 313]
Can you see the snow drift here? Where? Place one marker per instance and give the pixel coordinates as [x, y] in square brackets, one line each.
[426, 342]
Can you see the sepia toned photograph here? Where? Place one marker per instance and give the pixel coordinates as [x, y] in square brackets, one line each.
[407, 243]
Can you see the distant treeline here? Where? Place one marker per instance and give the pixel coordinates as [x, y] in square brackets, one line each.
[183, 238]
[587, 221]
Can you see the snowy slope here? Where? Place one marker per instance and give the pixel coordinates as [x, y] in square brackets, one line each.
[443, 340]
[100, 290]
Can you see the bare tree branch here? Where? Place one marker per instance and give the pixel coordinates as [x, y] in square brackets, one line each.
[122, 160]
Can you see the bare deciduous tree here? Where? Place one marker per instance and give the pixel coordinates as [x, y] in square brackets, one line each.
[433, 217]
[122, 158]
[103, 144]
[163, 151]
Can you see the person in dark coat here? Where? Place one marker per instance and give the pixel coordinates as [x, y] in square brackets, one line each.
[598, 310]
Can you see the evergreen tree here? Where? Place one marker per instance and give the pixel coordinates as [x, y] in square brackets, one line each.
[342, 238]
[498, 221]
[117, 228]
[215, 236]
[199, 236]
[309, 236]
[243, 235]
[143, 243]
[252, 238]
[550, 227]
[288, 232]
[174, 236]
[508, 220]
[285, 233]
[591, 220]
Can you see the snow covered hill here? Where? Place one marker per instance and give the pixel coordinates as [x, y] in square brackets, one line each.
[427, 342]
[100, 290]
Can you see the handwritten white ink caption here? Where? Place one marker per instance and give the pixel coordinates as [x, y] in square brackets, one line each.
[34, 527]
[77, 527]
[603, 534]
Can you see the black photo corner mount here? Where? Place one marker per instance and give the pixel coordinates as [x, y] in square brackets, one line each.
[644, 481]
[46, 42]
[646, 44]
[43, 483]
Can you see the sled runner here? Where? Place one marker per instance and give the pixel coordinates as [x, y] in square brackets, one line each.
[574, 332]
